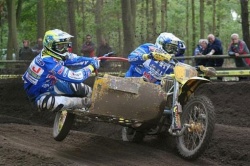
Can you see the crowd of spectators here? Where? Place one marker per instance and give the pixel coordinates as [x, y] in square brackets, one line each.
[28, 53]
[213, 46]
[88, 48]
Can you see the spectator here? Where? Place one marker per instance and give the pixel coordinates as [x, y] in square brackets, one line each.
[104, 48]
[38, 47]
[238, 47]
[201, 50]
[88, 48]
[26, 53]
[214, 47]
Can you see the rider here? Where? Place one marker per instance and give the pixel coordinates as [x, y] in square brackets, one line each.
[50, 83]
[151, 61]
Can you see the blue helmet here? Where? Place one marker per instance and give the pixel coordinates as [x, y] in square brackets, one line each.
[169, 43]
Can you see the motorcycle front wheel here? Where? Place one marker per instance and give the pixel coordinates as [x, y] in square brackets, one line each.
[62, 124]
[198, 114]
[131, 135]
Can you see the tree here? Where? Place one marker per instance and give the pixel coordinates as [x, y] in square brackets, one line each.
[163, 15]
[40, 19]
[154, 15]
[214, 17]
[98, 20]
[72, 23]
[12, 39]
[193, 24]
[245, 21]
[18, 12]
[202, 26]
[187, 29]
[128, 32]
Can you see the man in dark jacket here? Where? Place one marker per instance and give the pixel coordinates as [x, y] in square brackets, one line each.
[214, 48]
[26, 53]
[104, 48]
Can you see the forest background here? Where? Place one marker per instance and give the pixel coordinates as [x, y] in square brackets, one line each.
[125, 24]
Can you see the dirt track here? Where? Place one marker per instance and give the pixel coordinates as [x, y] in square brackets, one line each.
[26, 135]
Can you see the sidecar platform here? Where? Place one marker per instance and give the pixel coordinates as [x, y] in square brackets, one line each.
[131, 99]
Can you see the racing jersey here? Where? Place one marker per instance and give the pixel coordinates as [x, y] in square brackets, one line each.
[44, 70]
[150, 69]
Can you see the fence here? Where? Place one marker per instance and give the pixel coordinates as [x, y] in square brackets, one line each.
[18, 67]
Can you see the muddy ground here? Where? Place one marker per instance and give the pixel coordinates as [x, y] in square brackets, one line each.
[26, 135]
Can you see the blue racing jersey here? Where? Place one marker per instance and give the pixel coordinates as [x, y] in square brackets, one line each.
[44, 71]
[150, 69]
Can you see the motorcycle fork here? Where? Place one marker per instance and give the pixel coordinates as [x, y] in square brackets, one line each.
[176, 128]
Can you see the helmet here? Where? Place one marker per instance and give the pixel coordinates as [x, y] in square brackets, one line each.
[168, 42]
[56, 43]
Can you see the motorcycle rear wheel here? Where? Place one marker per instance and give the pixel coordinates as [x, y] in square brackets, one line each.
[131, 135]
[62, 125]
[199, 113]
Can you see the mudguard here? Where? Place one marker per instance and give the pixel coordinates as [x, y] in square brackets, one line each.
[128, 98]
[189, 87]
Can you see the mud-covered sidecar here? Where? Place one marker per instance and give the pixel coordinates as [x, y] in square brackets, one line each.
[123, 101]
[131, 100]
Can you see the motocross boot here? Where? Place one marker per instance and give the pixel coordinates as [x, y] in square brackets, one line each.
[86, 102]
[57, 103]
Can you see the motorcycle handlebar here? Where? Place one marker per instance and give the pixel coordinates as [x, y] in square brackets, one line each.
[106, 57]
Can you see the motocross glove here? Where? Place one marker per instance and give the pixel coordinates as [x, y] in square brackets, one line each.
[94, 64]
[208, 71]
[157, 56]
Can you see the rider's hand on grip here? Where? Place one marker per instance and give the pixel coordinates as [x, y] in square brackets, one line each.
[94, 64]
[160, 56]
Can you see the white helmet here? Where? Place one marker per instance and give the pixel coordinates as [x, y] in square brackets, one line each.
[56, 43]
[168, 42]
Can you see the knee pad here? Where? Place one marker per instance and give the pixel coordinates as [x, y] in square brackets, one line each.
[81, 90]
[47, 103]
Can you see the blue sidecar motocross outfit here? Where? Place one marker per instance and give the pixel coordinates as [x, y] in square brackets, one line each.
[47, 76]
[151, 70]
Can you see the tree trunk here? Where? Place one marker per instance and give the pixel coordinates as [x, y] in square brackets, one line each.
[154, 16]
[202, 25]
[193, 25]
[187, 29]
[72, 24]
[40, 19]
[18, 12]
[214, 17]
[98, 21]
[245, 22]
[83, 16]
[163, 15]
[12, 39]
[142, 22]
[147, 22]
[128, 41]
